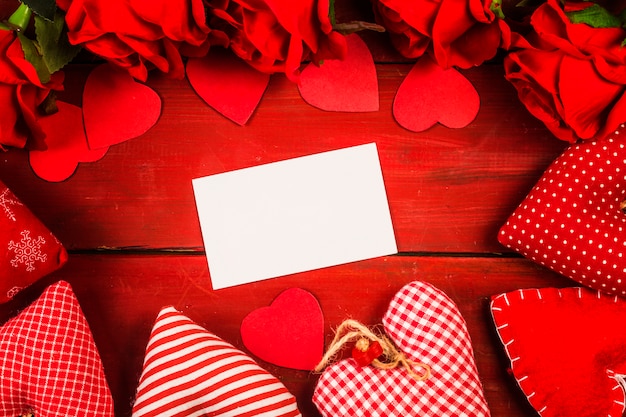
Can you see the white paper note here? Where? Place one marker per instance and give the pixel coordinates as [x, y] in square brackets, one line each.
[295, 215]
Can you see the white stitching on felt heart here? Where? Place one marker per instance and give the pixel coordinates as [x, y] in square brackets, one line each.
[524, 381]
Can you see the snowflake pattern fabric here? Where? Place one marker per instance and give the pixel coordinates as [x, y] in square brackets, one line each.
[30, 251]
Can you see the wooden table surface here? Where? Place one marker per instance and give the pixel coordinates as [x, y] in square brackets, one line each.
[130, 224]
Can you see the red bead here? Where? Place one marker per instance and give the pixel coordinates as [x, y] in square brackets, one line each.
[365, 357]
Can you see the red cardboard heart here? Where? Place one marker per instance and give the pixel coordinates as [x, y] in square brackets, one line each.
[431, 94]
[428, 328]
[571, 221]
[227, 84]
[348, 85]
[288, 333]
[566, 347]
[66, 145]
[116, 108]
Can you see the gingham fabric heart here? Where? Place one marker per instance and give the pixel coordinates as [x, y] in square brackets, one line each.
[566, 349]
[28, 250]
[49, 364]
[571, 221]
[188, 372]
[428, 328]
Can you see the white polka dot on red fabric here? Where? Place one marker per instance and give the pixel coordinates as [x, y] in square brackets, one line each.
[575, 207]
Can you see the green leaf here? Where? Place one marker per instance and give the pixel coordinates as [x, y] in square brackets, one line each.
[331, 12]
[43, 8]
[32, 54]
[53, 42]
[595, 16]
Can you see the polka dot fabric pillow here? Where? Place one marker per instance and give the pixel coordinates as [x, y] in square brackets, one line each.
[572, 221]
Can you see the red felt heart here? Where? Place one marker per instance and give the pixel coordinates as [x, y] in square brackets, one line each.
[66, 145]
[428, 328]
[288, 333]
[566, 347]
[116, 108]
[348, 85]
[49, 362]
[431, 94]
[571, 220]
[227, 84]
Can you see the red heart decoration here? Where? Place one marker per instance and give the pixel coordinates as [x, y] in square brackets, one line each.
[116, 108]
[49, 362]
[66, 145]
[348, 85]
[571, 220]
[189, 371]
[566, 347]
[428, 328]
[227, 84]
[431, 94]
[288, 333]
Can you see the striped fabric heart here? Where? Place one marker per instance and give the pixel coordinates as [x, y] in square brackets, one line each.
[189, 371]
[49, 364]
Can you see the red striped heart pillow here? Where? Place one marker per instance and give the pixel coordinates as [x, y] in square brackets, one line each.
[49, 364]
[189, 371]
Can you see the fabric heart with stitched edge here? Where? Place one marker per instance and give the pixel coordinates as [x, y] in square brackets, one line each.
[228, 84]
[117, 108]
[348, 85]
[566, 350]
[189, 371]
[50, 365]
[29, 249]
[572, 221]
[427, 327]
[66, 145]
[430, 94]
[293, 319]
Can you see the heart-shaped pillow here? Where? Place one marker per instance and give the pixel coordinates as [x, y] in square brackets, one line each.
[188, 371]
[572, 222]
[49, 363]
[427, 327]
[566, 347]
[28, 249]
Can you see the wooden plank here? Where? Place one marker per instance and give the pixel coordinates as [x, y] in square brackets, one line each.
[121, 295]
[449, 189]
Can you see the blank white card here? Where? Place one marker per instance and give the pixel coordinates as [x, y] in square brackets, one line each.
[295, 215]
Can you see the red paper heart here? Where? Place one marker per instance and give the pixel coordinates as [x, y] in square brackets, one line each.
[430, 94]
[288, 333]
[66, 145]
[116, 108]
[571, 220]
[567, 350]
[348, 85]
[227, 84]
[428, 328]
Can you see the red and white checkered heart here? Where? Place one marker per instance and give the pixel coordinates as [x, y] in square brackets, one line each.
[572, 222]
[428, 328]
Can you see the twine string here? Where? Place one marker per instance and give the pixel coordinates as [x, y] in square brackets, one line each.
[351, 330]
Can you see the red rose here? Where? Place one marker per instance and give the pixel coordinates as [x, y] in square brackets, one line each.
[140, 34]
[21, 94]
[455, 33]
[570, 76]
[277, 35]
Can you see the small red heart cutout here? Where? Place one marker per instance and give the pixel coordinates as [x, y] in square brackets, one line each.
[116, 108]
[566, 348]
[572, 221]
[348, 85]
[288, 333]
[228, 84]
[430, 94]
[66, 145]
[428, 329]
